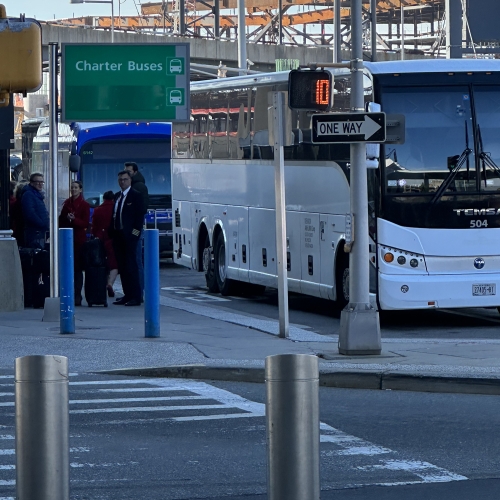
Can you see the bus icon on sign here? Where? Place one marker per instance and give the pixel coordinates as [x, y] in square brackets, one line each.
[175, 97]
[175, 66]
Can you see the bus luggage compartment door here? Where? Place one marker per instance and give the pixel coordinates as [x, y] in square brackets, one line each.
[181, 222]
[310, 254]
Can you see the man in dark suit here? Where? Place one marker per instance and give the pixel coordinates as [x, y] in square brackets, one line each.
[128, 220]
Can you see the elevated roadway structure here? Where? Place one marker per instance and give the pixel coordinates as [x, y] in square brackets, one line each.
[419, 26]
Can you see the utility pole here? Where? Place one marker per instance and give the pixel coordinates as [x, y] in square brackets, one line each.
[359, 321]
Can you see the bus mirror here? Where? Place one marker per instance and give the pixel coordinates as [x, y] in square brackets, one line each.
[372, 155]
[373, 107]
[74, 163]
[452, 161]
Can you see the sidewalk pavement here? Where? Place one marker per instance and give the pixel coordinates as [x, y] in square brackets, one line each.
[204, 342]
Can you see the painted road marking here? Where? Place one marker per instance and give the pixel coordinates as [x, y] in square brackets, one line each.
[196, 294]
[337, 447]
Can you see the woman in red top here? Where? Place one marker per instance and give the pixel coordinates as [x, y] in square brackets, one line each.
[75, 214]
[101, 222]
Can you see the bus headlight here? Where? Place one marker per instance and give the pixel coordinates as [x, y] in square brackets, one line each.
[401, 259]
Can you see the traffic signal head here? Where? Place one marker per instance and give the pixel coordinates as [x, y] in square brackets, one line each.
[20, 55]
[310, 90]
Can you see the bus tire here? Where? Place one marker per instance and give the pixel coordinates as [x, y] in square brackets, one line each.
[209, 267]
[226, 286]
[342, 280]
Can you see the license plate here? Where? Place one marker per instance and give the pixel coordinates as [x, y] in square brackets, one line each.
[484, 289]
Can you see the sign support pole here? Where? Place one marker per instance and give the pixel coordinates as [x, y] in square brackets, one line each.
[337, 44]
[53, 153]
[52, 306]
[279, 191]
[359, 321]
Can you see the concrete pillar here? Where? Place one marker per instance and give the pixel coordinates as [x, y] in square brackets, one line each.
[12, 293]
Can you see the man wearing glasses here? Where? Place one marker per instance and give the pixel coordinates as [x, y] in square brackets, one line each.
[128, 220]
[36, 216]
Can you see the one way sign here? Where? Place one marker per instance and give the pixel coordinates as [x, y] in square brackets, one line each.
[348, 128]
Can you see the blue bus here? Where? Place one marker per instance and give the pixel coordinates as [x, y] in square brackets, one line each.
[101, 149]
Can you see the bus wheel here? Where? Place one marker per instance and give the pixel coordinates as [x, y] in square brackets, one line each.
[342, 281]
[226, 286]
[209, 267]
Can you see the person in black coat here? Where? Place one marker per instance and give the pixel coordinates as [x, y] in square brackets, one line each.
[139, 184]
[128, 220]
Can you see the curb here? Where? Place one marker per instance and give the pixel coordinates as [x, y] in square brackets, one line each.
[372, 380]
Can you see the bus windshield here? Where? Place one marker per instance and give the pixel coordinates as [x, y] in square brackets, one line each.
[102, 160]
[445, 127]
[450, 157]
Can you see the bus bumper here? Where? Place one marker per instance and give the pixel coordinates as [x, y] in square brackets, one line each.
[396, 292]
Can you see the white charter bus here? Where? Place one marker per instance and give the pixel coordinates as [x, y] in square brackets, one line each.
[434, 201]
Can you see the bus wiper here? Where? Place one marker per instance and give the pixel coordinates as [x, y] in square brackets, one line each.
[455, 163]
[485, 158]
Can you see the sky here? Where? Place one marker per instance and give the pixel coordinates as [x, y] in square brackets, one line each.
[45, 10]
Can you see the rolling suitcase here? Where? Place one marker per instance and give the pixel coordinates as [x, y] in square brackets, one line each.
[26, 256]
[41, 274]
[96, 279]
[94, 253]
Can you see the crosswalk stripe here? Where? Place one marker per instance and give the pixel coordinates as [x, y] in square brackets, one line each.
[147, 409]
[216, 417]
[136, 389]
[78, 449]
[123, 400]
[135, 400]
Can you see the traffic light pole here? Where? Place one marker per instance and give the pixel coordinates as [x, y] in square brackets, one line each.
[52, 306]
[53, 153]
[6, 140]
[359, 321]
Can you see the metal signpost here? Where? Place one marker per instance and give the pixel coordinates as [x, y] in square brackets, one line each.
[51, 310]
[359, 321]
[279, 190]
[125, 82]
[312, 90]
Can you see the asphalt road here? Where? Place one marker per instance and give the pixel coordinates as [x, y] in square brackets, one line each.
[321, 316]
[176, 439]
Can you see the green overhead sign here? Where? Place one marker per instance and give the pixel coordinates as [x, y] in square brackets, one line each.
[125, 82]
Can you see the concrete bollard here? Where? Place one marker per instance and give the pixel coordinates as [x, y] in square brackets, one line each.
[292, 427]
[66, 281]
[12, 294]
[42, 428]
[151, 283]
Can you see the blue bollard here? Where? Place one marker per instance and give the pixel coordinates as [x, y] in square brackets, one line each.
[66, 281]
[151, 283]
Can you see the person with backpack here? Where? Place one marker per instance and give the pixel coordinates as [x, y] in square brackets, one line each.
[75, 214]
